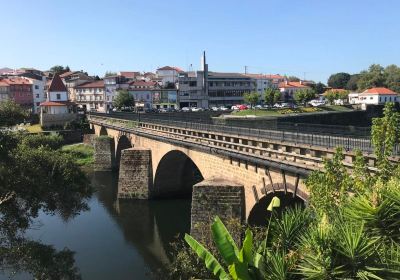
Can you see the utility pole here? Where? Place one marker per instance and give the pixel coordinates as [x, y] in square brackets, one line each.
[245, 69]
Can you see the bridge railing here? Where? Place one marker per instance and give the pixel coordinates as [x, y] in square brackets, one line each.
[328, 141]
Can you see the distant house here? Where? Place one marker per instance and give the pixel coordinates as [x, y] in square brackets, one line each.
[168, 74]
[91, 96]
[57, 109]
[4, 91]
[377, 96]
[20, 91]
[288, 89]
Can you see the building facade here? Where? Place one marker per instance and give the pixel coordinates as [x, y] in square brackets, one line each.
[4, 91]
[57, 109]
[168, 74]
[91, 96]
[20, 90]
[288, 89]
[377, 96]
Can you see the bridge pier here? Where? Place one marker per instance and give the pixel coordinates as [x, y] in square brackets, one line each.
[216, 197]
[104, 157]
[135, 173]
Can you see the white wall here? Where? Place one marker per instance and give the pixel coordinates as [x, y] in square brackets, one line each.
[38, 93]
[53, 96]
[377, 99]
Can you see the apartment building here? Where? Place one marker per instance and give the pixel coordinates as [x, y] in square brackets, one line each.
[111, 86]
[72, 79]
[4, 91]
[288, 89]
[91, 96]
[168, 74]
[20, 90]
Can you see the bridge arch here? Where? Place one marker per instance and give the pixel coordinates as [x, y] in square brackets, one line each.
[175, 175]
[288, 195]
[123, 142]
[103, 131]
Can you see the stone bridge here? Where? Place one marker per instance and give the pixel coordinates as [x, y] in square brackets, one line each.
[230, 175]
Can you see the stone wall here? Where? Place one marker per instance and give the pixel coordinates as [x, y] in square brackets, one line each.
[47, 120]
[104, 155]
[216, 197]
[135, 173]
[89, 139]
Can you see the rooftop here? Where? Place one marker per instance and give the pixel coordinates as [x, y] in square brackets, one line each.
[57, 84]
[292, 85]
[378, 90]
[171, 68]
[95, 84]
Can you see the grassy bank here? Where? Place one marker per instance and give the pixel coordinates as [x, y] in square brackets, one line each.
[82, 153]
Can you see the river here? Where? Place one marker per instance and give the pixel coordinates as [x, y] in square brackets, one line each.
[115, 239]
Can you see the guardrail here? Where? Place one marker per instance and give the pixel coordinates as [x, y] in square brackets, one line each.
[327, 141]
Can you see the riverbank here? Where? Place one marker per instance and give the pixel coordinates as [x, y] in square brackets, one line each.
[82, 153]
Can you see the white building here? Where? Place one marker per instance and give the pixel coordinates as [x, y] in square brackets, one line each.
[288, 89]
[91, 96]
[377, 96]
[56, 110]
[168, 74]
[38, 91]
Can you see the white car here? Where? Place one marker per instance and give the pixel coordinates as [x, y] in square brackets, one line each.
[316, 103]
[223, 108]
[235, 108]
[277, 105]
[214, 108]
[185, 109]
[258, 107]
[195, 109]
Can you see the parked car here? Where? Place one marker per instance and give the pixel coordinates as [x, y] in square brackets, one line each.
[316, 103]
[214, 109]
[195, 109]
[258, 107]
[277, 105]
[235, 107]
[223, 108]
[243, 107]
[186, 109]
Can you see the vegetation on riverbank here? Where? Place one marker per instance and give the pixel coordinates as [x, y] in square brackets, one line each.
[286, 111]
[349, 231]
[82, 154]
[36, 176]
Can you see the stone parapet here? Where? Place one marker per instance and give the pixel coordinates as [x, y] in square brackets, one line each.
[135, 173]
[216, 197]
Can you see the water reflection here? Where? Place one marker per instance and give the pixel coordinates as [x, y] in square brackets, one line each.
[116, 239]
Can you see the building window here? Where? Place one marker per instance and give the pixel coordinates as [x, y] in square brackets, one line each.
[37, 95]
[58, 96]
[36, 87]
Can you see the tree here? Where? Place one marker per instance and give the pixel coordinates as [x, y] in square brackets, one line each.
[319, 88]
[293, 79]
[11, 113]
[251, 98]
[271, 96]
[338, 80]
[110, 73]
[331, 96]
[392, 77]
[373, 77]
[37, 179]
[124, 99]
[59, 69]
[302, 96]
[352, 83]
[385, 134]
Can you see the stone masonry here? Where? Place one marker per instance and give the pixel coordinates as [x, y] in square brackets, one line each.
[135, 173]
[213, 197]
[104, 156]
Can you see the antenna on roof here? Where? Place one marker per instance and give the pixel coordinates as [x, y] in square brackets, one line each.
[245, 69]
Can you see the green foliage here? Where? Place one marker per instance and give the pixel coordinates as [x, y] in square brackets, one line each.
[271, 96]
[373, 77]
[293, 79]
[82, 153]
[59, 69]
[34, 141]
[34, 177]
[327, 188]
[339, 80]
[392, 77]
[11, 113]
[319, 88]
[352, 83]
[302, 96]
[251, 98]
[124, 99]
[385, 134]
[110, 73]
[333, 95]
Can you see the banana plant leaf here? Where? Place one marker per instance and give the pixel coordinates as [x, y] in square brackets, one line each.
[224, 242]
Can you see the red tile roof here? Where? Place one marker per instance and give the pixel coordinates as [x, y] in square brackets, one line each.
[17, 81]
[378, 91]
[171, 68]
[129, 74]
[292, 85]
[95, 84]
[57, 84]
[4, 84]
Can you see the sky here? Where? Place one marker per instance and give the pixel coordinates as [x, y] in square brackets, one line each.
[307, 38]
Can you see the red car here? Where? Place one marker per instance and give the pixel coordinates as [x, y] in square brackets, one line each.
[243, 107]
